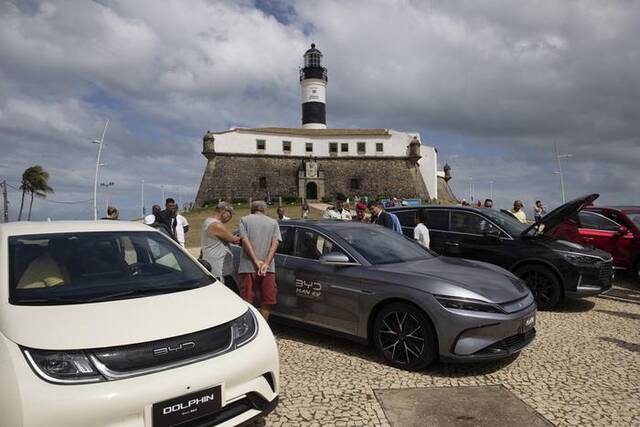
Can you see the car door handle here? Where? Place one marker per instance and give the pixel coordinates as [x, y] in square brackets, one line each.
[452, 244]
[588, 239]
[367, 292]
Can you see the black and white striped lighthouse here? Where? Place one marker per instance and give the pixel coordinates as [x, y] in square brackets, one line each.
[313, 83]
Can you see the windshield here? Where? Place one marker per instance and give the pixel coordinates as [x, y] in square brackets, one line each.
[507, 222]
[98, 266]
[635, 217]
[381, 245]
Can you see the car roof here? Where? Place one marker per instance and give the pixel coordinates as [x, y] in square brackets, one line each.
[432, 207]
[45, 227]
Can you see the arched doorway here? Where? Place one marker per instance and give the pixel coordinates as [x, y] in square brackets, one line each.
[312, 191]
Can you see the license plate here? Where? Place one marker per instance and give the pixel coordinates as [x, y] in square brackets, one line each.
[185, 408]
[528, 323]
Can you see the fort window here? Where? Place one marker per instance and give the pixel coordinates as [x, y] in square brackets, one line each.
[379, 147]
[362, 148]
[344, 147]
[261, 144]
[355, 183]
[286, 146]
[333, 148]
[263, 182]
[308, 147]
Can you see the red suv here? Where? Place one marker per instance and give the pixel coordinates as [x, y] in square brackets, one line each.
[612, 229]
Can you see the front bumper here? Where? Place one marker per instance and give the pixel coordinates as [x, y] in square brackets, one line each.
[476, 336]
[593, 280]
[248, 376]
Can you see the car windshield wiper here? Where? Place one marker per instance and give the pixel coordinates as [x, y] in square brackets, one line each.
[140, 291]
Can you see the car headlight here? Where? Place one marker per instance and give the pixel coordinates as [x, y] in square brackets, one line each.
[575, 258]
[467, 304]
[244, 329]
[62, 367]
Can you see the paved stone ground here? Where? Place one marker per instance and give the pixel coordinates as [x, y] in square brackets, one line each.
[583, 369]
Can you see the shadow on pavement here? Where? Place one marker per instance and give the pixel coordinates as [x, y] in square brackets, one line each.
[367, 353]
[622, 344]
[574, 306]
[624, 291]
[623, 314]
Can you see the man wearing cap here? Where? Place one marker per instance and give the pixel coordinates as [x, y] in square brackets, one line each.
[337, 211]
[361, 213]
[216, 239]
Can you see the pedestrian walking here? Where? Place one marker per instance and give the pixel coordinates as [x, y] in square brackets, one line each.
[281, 215]
[539, 211]
[305, 210]
[338, 211]
[421, 232]
[260, 238]
[518, 211]
[215, 240]
[167, 217]
[488, 203]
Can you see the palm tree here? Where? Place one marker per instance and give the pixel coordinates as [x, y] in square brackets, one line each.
[35, 182]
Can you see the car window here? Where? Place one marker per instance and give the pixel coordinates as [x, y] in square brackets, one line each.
[312, 245]
[596, 221]
[381, 245]
[406, 217]
[75, 267]
[470, 223]
[285, 247]
[438, 219]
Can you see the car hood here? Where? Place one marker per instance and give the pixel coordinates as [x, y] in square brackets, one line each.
[559, 214]
[564, 245]
[120, 322]
[473, 279]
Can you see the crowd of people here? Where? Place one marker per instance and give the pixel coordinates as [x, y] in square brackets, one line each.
[517, 210]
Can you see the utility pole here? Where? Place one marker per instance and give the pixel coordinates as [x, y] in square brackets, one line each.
[95, 180]
[5, 201]
[142, 198]
[491, 190]
[162, 189]
[559, 171]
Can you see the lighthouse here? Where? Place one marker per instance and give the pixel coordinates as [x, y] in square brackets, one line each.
[313, 85]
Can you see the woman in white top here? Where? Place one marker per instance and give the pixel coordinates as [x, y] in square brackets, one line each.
[421, 233]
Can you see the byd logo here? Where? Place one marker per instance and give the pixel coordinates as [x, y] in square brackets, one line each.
[170, 349]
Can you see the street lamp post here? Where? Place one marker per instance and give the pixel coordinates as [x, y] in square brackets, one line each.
[491, 190]
[162, 189]
[106, 186]
[95, 180]
[142, 198]
[559, 171]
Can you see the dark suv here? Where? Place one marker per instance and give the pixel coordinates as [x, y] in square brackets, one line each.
[552, 269]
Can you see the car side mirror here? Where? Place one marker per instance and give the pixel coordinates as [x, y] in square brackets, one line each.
[622, 231]
[335, 258]
[205, 264]
[492, 234]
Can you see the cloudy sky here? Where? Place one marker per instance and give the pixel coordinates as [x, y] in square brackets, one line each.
[492, 84]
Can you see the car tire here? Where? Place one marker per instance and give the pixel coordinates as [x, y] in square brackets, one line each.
[636, 270]
[544, 285]
[404, 336]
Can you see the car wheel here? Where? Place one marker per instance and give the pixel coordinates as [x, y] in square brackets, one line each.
[544, 285]
[636, 270]
[404, 337]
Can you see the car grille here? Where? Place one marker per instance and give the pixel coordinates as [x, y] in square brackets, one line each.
[512, 343]
[604, 275]
[153, 354]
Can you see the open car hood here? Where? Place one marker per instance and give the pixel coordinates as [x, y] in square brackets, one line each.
[559, 214]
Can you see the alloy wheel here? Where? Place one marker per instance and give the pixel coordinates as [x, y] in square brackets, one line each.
[541, 286]
[402, 337]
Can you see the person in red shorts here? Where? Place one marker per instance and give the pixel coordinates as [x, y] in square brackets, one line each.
[260, 238]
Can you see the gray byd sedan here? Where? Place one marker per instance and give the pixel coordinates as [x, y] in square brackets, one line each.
[372, 285]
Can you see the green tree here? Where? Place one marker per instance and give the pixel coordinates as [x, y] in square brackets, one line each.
[35, 182]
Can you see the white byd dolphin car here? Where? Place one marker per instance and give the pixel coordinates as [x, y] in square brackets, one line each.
[113, 324]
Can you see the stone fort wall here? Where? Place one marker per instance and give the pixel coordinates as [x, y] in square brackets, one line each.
[242, 176]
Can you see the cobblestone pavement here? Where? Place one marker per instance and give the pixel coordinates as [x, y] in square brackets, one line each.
[582, 369]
